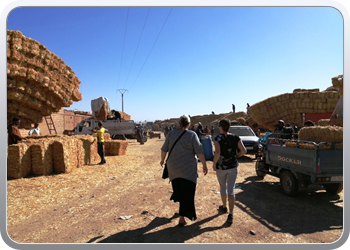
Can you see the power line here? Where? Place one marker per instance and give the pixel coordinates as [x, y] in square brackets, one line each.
[152, 46]
[144, 24]
[121, 60]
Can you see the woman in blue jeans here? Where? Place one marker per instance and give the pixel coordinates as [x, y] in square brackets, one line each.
[228, 147]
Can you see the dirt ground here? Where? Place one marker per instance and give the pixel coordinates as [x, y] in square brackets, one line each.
[127, 201]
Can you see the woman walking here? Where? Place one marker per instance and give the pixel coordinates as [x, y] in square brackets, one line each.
[182, 167]
[226, 165]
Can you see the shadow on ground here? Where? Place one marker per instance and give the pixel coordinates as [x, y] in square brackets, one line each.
[168, 235]
[308, 212]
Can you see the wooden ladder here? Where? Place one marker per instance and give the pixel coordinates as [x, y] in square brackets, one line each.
[50, 124]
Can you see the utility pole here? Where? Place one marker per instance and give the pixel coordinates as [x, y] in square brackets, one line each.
[122, 91]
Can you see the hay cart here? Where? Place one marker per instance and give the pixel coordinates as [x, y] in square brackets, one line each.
[298, 167]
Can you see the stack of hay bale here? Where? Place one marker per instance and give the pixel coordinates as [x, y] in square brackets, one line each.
[44, 155]
[115, 147]
[327, 138]
[125, 116]
[38, 82]
[290, 106]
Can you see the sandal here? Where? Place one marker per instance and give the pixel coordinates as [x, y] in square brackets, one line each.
[229, 219]
[182, 224]
[223, 209]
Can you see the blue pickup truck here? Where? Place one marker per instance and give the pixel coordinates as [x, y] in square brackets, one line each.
[299, 167]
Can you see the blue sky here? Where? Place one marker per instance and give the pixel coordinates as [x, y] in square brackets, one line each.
[188, 60]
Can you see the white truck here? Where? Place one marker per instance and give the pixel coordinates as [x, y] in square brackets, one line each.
[117, 128]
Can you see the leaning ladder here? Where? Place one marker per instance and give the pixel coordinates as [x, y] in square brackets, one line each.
[50, 124]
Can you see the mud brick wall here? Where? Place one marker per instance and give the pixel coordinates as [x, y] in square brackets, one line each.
[63, 120]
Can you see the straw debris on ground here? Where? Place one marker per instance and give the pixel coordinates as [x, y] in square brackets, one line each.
[89, 204]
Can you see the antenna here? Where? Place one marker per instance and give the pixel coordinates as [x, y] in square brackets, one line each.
[122, 91]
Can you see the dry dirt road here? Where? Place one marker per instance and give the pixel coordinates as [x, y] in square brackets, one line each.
[126, 201]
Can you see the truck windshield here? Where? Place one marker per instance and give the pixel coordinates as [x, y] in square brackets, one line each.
[241, 131]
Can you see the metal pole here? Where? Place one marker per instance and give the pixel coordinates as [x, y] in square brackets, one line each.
[122, 91]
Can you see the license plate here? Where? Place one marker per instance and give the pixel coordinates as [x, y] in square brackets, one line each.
[249, 148]
[337, 178]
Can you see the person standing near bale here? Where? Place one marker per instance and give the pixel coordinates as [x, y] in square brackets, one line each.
[309, 123]
[100, 130]
[14, 135]
[206, 130]
[139, 135]
[212, 131]
[199, 131]
[182, 167]
[34, 130]
[225, 164]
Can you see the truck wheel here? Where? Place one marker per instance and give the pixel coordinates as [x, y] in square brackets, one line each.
[259, 165]
[289, 183]
[333, 188]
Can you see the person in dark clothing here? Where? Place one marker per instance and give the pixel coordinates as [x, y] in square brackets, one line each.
[199, 131]
[14, 135]
[212, 131]
[139, 135]
[295, 127]
[309, 123]
[225, 164]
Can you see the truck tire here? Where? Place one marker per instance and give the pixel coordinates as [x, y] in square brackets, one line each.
[259, 165]
[333, 188]
[289, 183]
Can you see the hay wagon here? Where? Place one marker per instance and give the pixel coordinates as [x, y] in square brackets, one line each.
[299, 164]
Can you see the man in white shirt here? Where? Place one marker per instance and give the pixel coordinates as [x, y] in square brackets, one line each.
[34, 130]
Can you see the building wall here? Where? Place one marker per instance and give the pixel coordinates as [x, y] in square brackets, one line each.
[63, 120]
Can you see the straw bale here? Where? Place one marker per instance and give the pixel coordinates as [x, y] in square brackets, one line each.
[307, 146]
[101, 114]
[306, 90]
[291, 144]
[321, 134]
[89, 149]
[115, 147]
[241, 119]
[66, 155]
[331, 122]
[18, 160]
[338, 84]
[325, 146]
[42, 157]
[125, 116]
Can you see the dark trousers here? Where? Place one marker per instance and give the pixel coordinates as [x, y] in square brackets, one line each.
[183, 192]
[101, 151]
